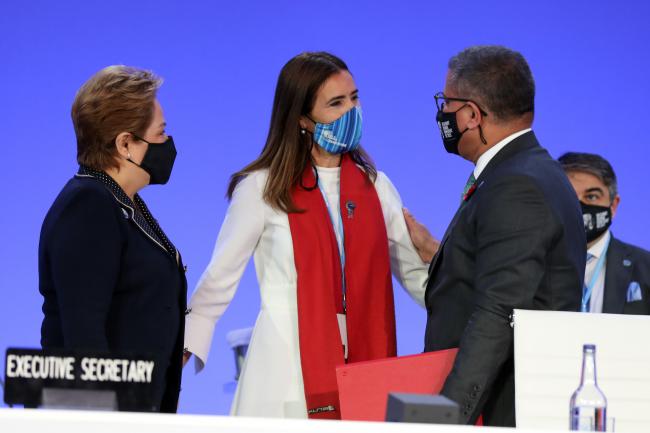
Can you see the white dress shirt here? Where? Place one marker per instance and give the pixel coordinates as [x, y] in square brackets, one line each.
[593, 254]
[329, 178]
[484, 159]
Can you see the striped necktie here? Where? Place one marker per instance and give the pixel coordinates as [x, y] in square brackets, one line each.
[468, 186]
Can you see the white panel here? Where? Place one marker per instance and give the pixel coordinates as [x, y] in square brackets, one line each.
[548, 359]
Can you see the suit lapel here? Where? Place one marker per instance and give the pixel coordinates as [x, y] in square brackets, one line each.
[140, 224]
[617, 277]
[144, 221]
[451, 226]
[521, 143]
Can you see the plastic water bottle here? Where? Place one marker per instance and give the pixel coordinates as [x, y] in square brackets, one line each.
[588, 403]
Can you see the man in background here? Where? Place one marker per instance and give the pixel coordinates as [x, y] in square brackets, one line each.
[617, 276]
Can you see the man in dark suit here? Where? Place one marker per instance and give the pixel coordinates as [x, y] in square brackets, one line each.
[619, 282]
[516, 241]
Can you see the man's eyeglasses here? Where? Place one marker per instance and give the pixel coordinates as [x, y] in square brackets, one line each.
[442, 100]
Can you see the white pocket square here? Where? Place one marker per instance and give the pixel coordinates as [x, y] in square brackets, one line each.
[634, 292]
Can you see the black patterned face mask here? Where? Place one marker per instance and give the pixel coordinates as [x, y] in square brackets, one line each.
[449, 126]
[597, 220]
[449, 129]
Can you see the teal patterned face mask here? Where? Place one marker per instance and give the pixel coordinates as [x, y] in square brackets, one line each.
[341, 136]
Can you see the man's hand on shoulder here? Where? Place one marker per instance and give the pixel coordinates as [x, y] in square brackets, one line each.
[425, 244]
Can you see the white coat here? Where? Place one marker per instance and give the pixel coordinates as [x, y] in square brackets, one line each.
[270, 384]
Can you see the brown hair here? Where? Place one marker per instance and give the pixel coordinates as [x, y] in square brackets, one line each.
[287, 152]
[116, 99]
[593, 164]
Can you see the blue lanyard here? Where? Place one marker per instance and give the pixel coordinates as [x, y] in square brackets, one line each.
[340, 240]
[588, 288]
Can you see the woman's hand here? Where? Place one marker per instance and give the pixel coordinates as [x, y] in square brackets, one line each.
[425, 244]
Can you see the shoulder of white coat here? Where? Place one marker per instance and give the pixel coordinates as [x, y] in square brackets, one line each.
[386, 190]
[252, 184]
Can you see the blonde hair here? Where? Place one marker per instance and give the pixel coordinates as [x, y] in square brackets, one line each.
[116, 99]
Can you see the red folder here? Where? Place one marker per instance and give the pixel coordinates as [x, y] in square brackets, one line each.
[364, 386]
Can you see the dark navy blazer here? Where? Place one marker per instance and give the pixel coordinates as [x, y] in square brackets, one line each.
[517, 242]
[112, 281]
[626, 265]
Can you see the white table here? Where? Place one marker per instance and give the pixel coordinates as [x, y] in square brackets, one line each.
[55, 421]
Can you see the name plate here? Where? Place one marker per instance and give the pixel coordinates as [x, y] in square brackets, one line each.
[29, 371]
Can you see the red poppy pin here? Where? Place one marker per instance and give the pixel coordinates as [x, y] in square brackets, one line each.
[470, 192]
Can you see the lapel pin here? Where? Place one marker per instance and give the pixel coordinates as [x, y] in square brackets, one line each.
[350, 206]
[627, 263]
[470, 192]
[125, 213]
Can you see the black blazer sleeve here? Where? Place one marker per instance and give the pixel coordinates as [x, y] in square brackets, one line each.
[513, 227]
[84, 253]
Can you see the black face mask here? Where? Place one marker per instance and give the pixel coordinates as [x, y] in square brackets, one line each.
[449, 129]
[158, 161]
[597, 220]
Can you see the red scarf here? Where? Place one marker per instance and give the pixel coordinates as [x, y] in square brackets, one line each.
[369, 294]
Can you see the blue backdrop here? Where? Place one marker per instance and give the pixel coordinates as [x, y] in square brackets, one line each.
[220, 61]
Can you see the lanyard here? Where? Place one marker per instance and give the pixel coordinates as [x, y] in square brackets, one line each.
[340, 239]
[588, 288]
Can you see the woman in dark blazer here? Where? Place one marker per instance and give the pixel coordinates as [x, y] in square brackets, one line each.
[111, 279]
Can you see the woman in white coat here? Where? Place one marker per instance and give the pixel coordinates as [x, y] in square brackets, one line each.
[326, 231]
